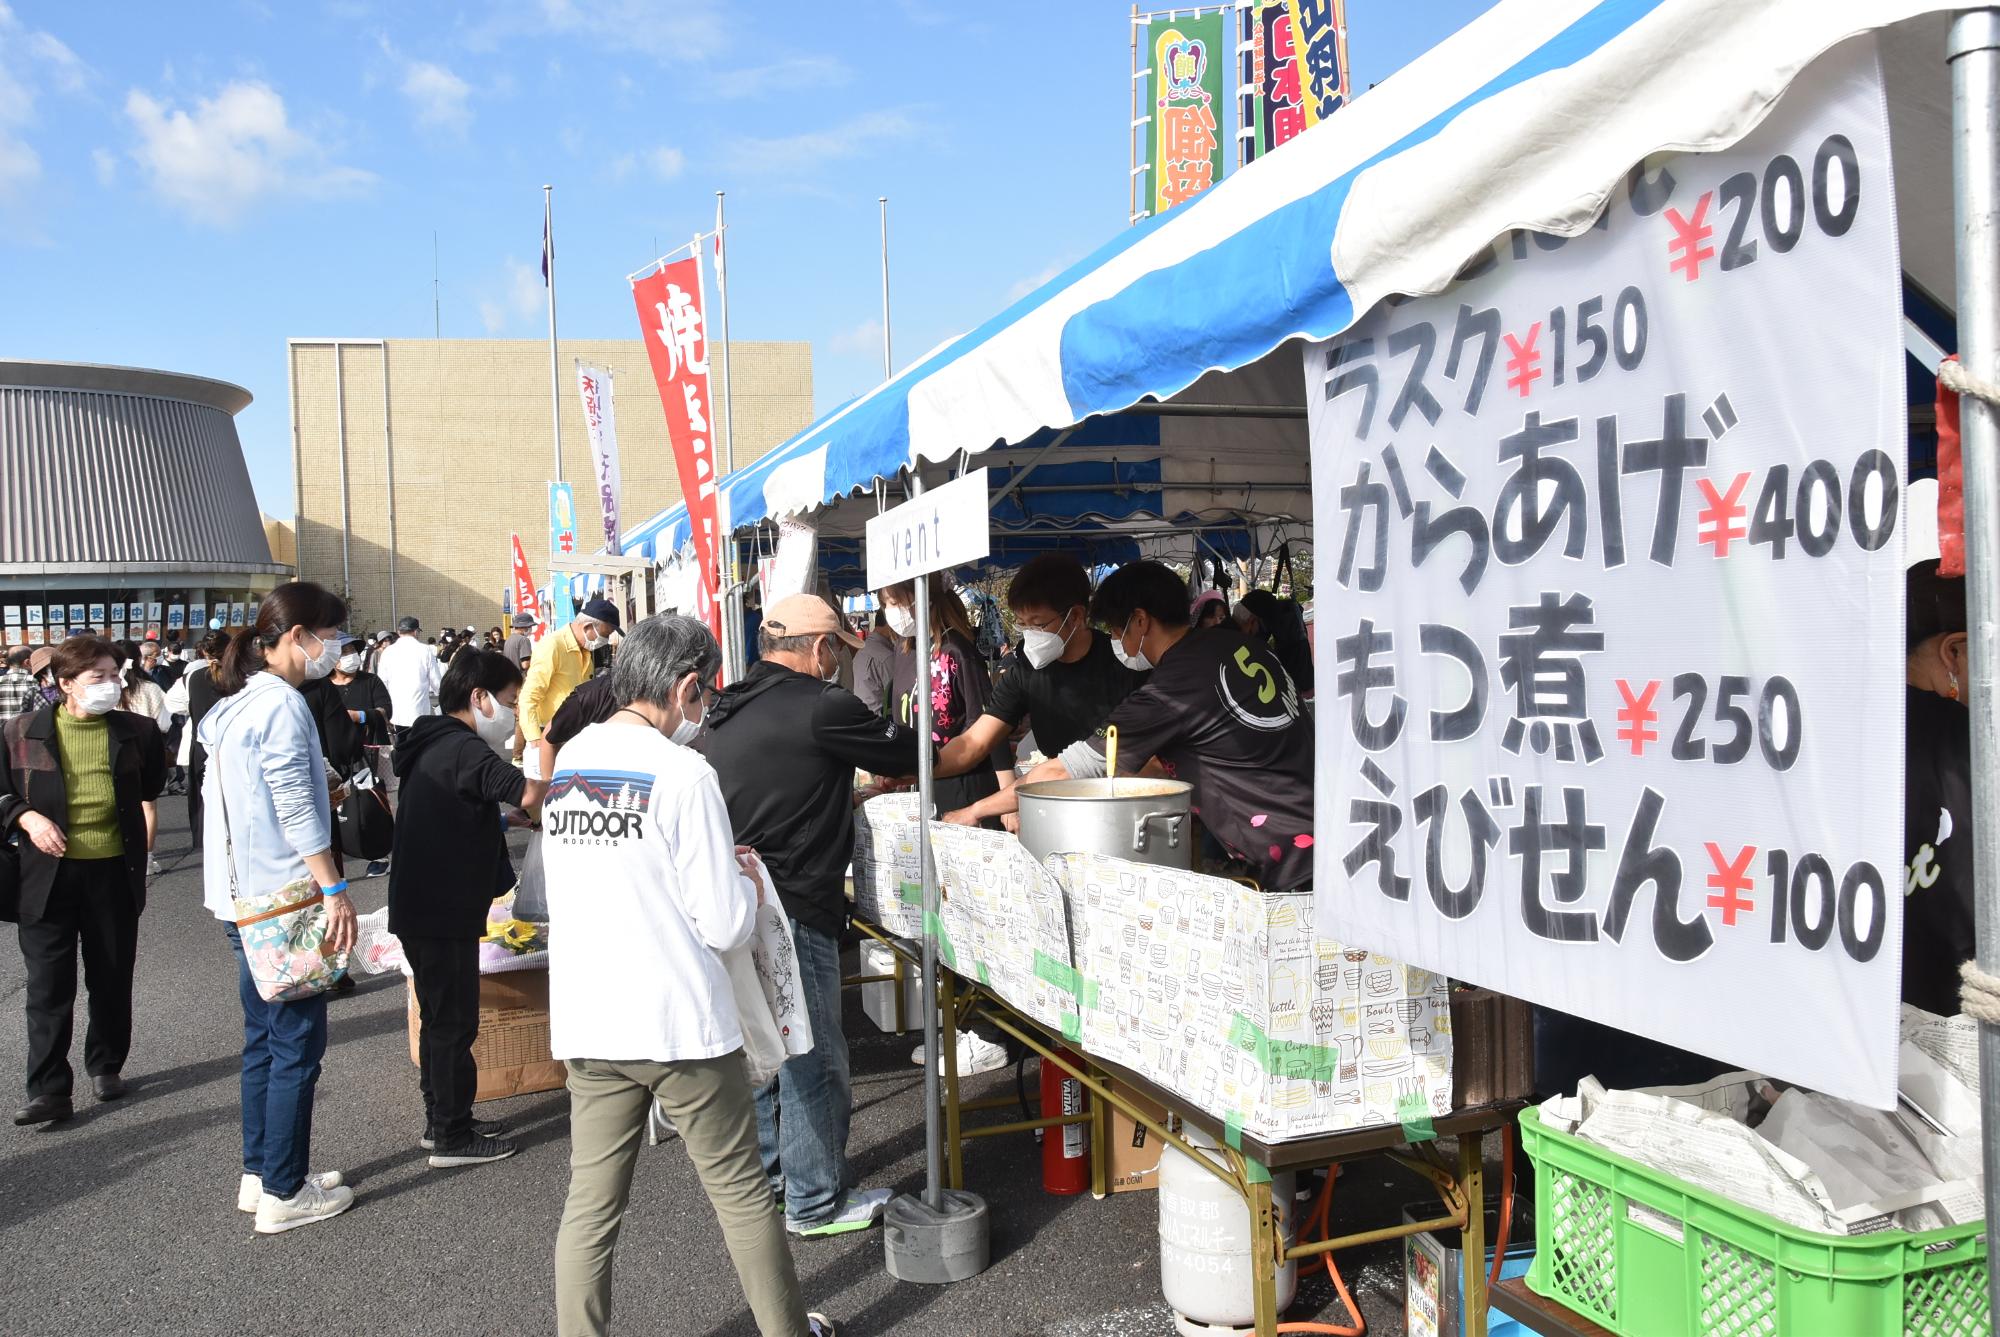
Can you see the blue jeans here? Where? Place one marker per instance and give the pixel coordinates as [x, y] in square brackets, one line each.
[802, 1115]
[282, 1046]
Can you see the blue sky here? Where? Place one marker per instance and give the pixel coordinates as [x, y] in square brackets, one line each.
[187, 185]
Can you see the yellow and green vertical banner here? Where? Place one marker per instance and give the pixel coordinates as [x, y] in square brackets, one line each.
[1188, 58]
[1319, 41]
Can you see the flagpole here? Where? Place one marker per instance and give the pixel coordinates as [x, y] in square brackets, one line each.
[736, 653]
[888, 366]
[555, 380]
[728, 385]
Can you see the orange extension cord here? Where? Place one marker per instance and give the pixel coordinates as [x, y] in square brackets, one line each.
[1317, 1225]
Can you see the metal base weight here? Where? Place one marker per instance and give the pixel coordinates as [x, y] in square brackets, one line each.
[937, 1247]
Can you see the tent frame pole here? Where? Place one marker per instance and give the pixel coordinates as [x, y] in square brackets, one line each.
[1973, 54]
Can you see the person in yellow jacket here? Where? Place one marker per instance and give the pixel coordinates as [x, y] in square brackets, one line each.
[562, 663]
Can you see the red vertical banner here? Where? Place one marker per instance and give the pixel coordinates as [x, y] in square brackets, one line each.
[524, 586]
[671, 321]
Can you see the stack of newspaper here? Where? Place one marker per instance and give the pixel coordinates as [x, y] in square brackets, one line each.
[1815, 1162]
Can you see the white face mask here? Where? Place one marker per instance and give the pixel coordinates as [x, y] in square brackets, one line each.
[496, 728]
[902, 619]
[591, 640]
[1042, 647]
[321, 664]
[832, 672]
[100, 698]
[685, 732]
[1136, 660]
[349, 664]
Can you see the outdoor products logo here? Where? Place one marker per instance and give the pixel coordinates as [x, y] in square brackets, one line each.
[599, 807]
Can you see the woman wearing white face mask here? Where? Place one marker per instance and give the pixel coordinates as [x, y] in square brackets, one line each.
[450, 861]
[269, 825]
[960, 689]
[74, 779]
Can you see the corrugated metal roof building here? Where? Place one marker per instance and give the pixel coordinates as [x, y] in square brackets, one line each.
[125, 505]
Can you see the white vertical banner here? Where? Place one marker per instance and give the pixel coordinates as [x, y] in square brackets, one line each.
[594, 385]
[1611, 612]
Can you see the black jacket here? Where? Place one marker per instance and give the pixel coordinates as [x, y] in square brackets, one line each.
[785, 747]
[202, 697]
[450, 858]
[370, 695]
[339, 735]
[31, 779]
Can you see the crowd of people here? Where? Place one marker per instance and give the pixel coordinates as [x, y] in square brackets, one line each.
[665, 809]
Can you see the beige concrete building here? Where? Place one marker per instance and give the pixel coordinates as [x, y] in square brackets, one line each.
[415, 459]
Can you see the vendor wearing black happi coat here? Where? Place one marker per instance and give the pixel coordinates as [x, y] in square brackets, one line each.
[1219, 712]
[1065, 682]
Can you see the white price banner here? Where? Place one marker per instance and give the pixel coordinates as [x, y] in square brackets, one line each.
[1610, 622]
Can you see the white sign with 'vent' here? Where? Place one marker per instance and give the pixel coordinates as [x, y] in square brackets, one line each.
[1610, 615]
[945, 527]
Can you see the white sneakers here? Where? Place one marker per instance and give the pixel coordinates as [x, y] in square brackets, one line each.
[252, 1188]
[975, 1054]
[312, 1203]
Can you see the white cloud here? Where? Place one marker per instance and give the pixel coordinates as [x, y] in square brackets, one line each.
[106, 164]
[666, 162]
[439, 97]
[31, 62]
[674, 31]
[802, 152]
[515, 296]
[232, 152]
[1034, 281]
[790, 75]
[863, 338]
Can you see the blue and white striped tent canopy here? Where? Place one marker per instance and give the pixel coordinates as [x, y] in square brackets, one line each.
[1526, 119]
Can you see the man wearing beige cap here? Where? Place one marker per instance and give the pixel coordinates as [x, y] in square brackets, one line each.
[785, 743]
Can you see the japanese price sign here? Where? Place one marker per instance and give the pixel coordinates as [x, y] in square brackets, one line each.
[1610, 628]
[1189, 56]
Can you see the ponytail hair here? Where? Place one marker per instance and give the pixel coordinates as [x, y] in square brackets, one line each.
[298, 603]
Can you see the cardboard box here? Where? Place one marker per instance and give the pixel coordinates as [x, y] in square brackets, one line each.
[512, 1051]
[1135, 1152]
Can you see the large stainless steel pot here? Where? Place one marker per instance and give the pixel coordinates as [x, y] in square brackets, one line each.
[1143, 820]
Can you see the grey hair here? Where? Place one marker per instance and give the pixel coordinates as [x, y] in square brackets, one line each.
[769, 644]
[657, 653]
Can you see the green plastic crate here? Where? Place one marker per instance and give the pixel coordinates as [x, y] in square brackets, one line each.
[1647, 1255]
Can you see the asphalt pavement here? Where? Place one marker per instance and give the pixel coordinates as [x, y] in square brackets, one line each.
[123, 1220]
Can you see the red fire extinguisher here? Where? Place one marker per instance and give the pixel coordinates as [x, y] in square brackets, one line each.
[1065, 1149]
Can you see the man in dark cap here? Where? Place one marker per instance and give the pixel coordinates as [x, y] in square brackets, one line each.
[520, 646]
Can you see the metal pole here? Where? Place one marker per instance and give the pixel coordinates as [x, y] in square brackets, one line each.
[389, 478]
[735, 653]
[1974, 55]
[555, 381]
[933, 1056]
[888, 364]
[340, 430]
[1132, 133]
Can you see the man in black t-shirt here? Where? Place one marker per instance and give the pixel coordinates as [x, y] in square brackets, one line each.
[1219, 712]
[1065, 679]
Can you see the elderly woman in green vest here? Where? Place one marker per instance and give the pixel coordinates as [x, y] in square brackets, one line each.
[75, 778]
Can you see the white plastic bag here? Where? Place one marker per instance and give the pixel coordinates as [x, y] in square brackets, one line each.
[770, 1000]
[376, 949]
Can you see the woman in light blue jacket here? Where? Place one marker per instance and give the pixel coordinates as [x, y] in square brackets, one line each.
[266, 782]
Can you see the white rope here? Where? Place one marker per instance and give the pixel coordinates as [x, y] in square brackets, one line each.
[1979, 994]
[1955, 378]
